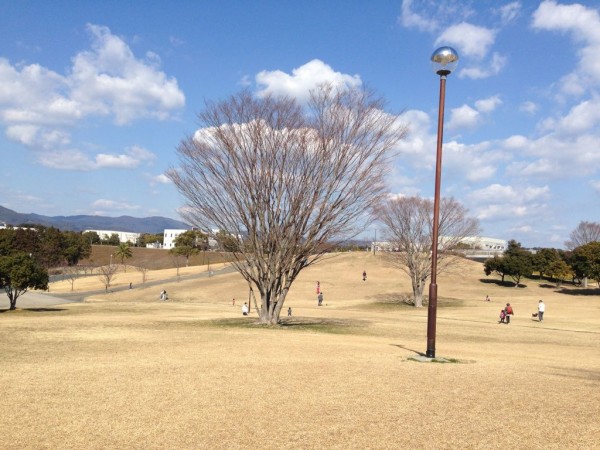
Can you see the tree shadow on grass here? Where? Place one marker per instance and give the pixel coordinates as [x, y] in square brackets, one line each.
[579, 291]
[32, 310]
[393, 299]
[322, 325]
[501, 283]
[548, 286]
[400, 300]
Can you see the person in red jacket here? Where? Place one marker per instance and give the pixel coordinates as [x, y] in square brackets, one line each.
[509, 312]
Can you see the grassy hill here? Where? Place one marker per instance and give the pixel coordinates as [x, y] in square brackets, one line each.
[125, 370]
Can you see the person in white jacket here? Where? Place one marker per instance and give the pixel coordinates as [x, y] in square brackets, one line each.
[541, 310]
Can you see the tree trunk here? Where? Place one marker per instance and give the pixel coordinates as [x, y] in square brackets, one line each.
[13, 301]
[418, 294]
[271, 306]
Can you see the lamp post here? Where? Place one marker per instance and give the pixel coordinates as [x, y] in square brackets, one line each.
[444, 61]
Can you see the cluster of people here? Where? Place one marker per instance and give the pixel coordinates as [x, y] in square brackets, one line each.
[505, 314]
[507, 311]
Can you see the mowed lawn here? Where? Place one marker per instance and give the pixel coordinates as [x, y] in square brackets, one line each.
[124, 370]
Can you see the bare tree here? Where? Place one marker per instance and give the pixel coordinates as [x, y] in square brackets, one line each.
[144, 271]
[71, 273]
[408, 225]
[286, 180]
[176, 259]
[107, 275]
[585, 233]
[88, 268]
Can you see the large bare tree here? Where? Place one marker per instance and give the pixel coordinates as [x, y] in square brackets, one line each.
[408, 225]
[285, 179]
[585, 233]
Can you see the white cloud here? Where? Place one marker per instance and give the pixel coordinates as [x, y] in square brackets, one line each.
[411, 19]
[162, 179]
[484, 69]
[303, 79]
[516, 142]
[498, 202]
[474, 163]
[539, 168]
[471, 40]
[584, 26]
[103, 205]
[509, 12]
[489, 104]
[110, 80]
[510, 193]
[522, 229]
[463, 117]
[39, 106]
[115, 161]
[581, 118]
[595, 185]
[76, 160]
[552, 154]
[528, 107]
[468, 117]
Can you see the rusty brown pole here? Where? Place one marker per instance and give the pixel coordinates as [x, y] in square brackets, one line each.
[432, 308]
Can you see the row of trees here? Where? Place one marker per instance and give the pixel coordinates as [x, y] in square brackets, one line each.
[49, 246]
[26, 254]
[578, 265]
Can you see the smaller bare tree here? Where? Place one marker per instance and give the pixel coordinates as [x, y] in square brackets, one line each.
[176, 258]
[107, 275]
[71, 273]
[87, 269]
[144, 271]
[408, 225]
[585, 233]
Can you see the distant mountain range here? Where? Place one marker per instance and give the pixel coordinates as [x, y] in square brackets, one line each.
[152, 225]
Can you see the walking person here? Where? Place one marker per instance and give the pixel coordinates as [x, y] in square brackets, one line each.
[320, 299]
[509, 312]
[245, 309]
[502, 316]
[364, 275]
[541, 310]
[318, 287]
[290, 311]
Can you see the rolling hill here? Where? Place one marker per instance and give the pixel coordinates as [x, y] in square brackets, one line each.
[154, 224]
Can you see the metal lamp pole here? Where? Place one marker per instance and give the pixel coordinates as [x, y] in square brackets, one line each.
[444, 60]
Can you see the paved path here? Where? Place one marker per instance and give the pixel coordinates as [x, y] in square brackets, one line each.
[40, 299]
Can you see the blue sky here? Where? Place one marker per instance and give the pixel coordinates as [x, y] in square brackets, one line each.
[95, 97]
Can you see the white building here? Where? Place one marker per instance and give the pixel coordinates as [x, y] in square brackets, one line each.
[124, 236]
[170, 236]
[478, 245]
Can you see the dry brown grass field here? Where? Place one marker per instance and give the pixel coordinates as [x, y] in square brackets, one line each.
[124, 370]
